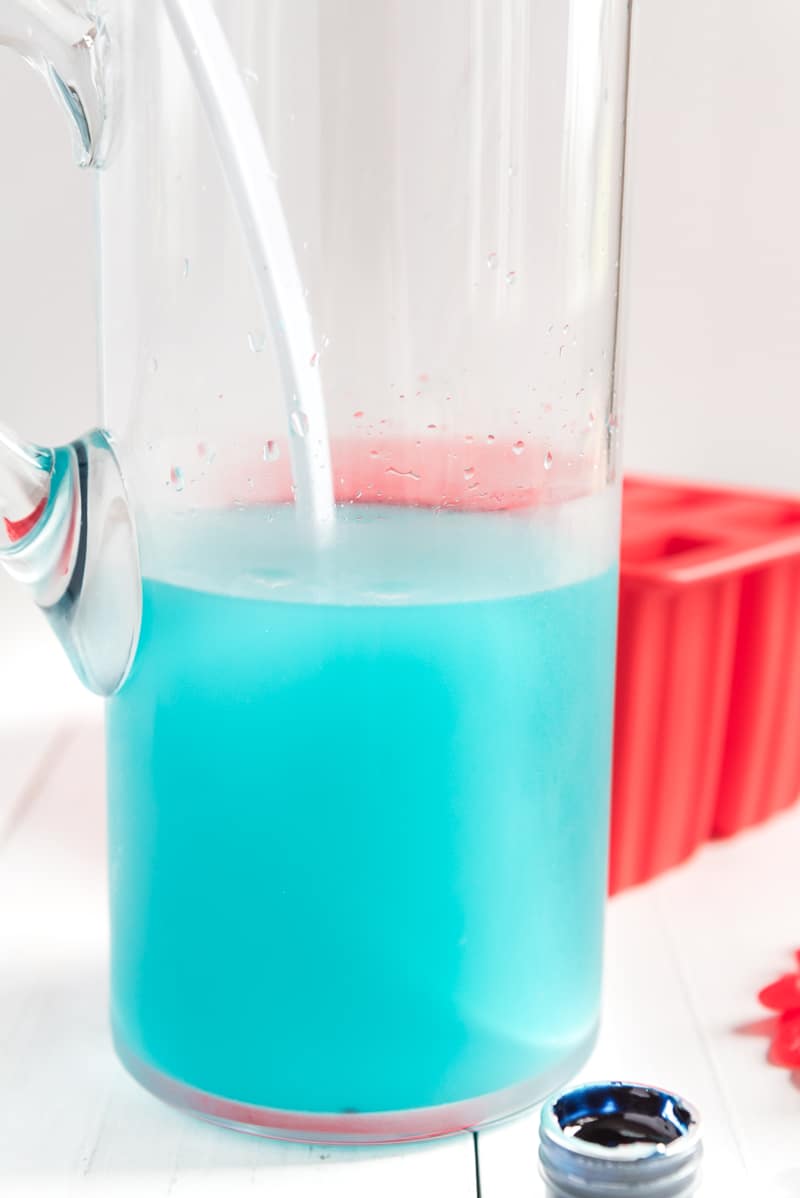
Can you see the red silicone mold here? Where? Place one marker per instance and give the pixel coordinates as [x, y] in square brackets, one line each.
[707, 734]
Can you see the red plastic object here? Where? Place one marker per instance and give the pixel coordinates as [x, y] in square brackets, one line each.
[784, 1029]
[707, 735]
[785, 1048]
[783, 995]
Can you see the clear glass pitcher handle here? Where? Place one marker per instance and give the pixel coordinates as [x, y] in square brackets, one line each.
[66, 530]
[68, 49]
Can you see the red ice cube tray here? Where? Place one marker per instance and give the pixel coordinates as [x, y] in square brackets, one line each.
[707, 731]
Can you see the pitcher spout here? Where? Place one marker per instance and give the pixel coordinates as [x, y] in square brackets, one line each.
[67, 536]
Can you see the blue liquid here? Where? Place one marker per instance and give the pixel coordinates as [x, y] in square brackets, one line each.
[358, 851]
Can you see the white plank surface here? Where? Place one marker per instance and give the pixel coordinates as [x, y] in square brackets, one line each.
[25, 757]
[71, 1121]
[685, 958]
[37, 686]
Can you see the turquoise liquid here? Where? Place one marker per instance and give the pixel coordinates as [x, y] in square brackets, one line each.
[358, 850]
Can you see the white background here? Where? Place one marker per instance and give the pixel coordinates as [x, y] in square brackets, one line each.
[712, 296]
[710, 375]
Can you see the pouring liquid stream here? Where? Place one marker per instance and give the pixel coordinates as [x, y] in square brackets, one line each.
[254, 189]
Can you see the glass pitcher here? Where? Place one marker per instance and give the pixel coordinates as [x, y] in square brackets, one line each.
[342, 555]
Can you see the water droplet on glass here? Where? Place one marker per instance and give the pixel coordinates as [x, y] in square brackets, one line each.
[389, 592]
[548, 460]
[565, 329]
[590, 419]
[312, 361]
[511, 277]
[469, 438]
[325, 342]
[186, 268]
[153, 365]
[250, 483]
[490, 437]
[374, 453]
[272, 451]
[256, 340]
[469, 474]
[549, 329]
[250, 75]
[518, 447]
[359, 415]
[299, 422]
[432, 427]
[392, 470]
[176, 478]
[491, 261]
[271, 580]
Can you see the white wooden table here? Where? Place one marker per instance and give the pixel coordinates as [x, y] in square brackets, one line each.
[686, 955]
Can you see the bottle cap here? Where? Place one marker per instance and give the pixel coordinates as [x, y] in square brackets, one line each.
[616, 1139]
